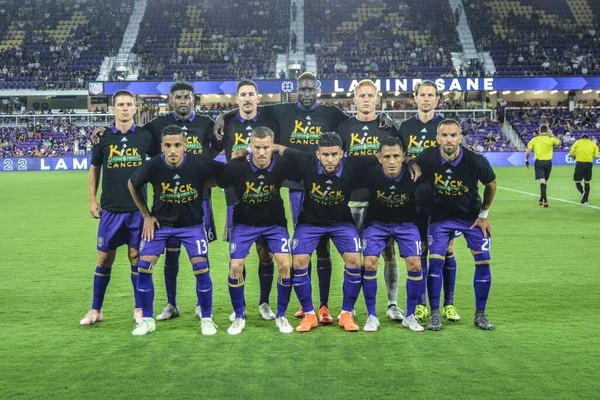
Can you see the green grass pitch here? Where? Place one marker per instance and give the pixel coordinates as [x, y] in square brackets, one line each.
[543, 301]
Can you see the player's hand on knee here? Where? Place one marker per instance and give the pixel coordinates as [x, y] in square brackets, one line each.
[149, 224]
[97, 134]
[485, 226]
[95, 209]
[218, 127]
[415, 170]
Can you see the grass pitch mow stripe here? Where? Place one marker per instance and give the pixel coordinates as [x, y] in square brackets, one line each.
[551, 198]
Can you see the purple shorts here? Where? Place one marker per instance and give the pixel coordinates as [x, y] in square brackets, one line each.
[345, 238]
[193, 239]
[209, 226]
[243, 236]
[296, 200]
[377, 234]
[259, 241]
[117, 229]
[441, 232]
[422, 222]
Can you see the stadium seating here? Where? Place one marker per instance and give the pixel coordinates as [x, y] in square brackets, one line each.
[380, 38]
[538, 37]
[485, 135]
[226, 39]
[567, 126]
[60, 45]
[44, 140]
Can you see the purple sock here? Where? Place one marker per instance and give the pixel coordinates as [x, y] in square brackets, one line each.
[265, 279]
[101, 280]
[203, 288]
[171, 271]
[145, 288]
[434, 280]
[423, 294]
[413, 290]
[236, 292]
[136, 295]
[352, 284]
[303, 289]
[482, 280]
[370, 291]
[449, 278]
[284, 292]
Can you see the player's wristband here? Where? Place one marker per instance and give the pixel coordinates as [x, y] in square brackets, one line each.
[483, 213]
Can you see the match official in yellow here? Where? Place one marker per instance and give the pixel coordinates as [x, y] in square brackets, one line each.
[583, 151]
[543, 148]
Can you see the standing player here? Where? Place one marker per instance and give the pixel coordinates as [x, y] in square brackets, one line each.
[391, 215]
[361, 135]
[118, 155]
[259, 214]
[177, 180]
[419, 133]
[328, 182]
[236, 139]
[543, 147]
[454, 173]
[583, 151]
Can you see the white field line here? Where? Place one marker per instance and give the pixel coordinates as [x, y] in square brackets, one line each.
[551, 198]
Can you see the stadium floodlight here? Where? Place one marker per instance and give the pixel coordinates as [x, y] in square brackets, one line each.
[493, 92]
[333, 94]
[597, 91]
[538, 91]
[446, 93]
[396, 94]
[319, 94]
[271, 95]
[566, 92]
[519, 92]
[587, 91]
[554, 92]
[506, 92]
[348, 94]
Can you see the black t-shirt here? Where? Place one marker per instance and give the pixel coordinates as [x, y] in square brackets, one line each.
[455, 184]
[177, 191]
[361, 138]
[120, 154]
[257, 190]
[237, 131]
[417, 135]
[392, 200]
[326, 196]
[198, 131]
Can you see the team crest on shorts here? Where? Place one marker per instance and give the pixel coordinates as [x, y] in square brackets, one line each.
[232, 248]
[142, 243]
[100, 241]
[364, 244]
[294, 244]
[429, 240]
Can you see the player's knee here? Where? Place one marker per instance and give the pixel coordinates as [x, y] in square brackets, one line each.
[264, 255]
[300, 261]
[134, 256]
[236, 268]
[388, 253]
[371, 263]
[106, 259]
[352, 260]
[413, 264]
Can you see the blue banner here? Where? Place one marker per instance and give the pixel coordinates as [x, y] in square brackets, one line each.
[499, 159]
[384, 85]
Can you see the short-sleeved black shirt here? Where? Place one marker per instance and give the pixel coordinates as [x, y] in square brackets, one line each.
[237, 132]
[120, 154]
[198, 131]
[177, 191]
[257, 190]
[326, 196]
[455, 184]
[417, 135]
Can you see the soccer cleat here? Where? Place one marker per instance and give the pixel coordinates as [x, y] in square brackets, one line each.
[450, 313]
[421, 312]
[541, 202]
[208, 327]
[146, 326]
[482, 322]
[299, 313]
[411, 323]
[325, 316]
[198, 312]
[283, 325]
[137, 315]
[435, 322]
[265, 312]
[372, 324]
[394, 313]
[353, 312]
[308, 322]
[237, 326]
[91, 318]
[347, 322]
[545, 204]
[170, 311]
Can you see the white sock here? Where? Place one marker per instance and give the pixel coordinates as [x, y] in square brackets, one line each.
[391, 273]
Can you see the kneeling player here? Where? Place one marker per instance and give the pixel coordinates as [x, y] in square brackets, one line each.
[177, 180]
[391, 214]
[259, 214]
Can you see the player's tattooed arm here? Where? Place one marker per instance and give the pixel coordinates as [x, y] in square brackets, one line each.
[97, 134]
[220, 122]
[94, 181]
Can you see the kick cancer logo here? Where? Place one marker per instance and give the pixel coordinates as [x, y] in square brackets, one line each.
[178, 194]
[449, 186]
[259, 192]
[126, 157]
[326, 196]
[362, 146]
[305, 133]
[193, 145]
